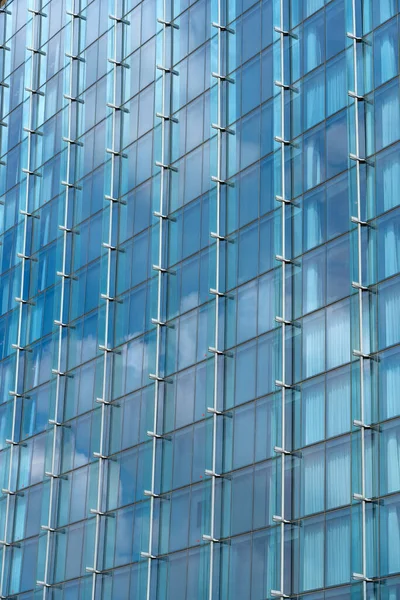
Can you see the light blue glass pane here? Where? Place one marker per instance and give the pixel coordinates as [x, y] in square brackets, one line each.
[268, 426]
[266, 303]
[312, 554]
[245, 373]
[179, 528]
[247, 312]
[243, 440]
[387, 179]
[249, 192]
[265, 563]
[177, 567]
[389, 245]
[389, 382]
[73, 566]
[338, 473]
[250, 139]
[338, 563]
[390, 456]
[314, 280]
[251, 82]
[242, 502]
[389, 309]
[314, 44]
[314, 158]
[386, 53]
[337, 198]
[313, 411]
[338, 402]
[338, 269]
[314, 344]
[390, 537]
[248, 253]
[335, 28]
[240, 568]
[336, 144]
[314, 219]
[338, 334]
[314, 98]
[182, 457]
[267, 363]
[387, 117]
[312, 483]
[251, 33]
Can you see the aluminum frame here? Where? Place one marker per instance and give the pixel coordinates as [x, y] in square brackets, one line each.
[118, 23]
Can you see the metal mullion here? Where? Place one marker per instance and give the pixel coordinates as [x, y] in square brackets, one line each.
[29, 172]
[105, 405]
[64, 227]
[163, 211]
[6, 526]
[220, 180]
[362, 358]
[283, 320]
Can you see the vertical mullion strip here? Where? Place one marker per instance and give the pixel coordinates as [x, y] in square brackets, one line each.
[220, 181]
[113, 198]
[6, 534]
[361, 289]
[56, 421]
[282, 451]
[22, 301]
[166, 21]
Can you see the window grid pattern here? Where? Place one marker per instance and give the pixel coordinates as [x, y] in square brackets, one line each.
[294, 360]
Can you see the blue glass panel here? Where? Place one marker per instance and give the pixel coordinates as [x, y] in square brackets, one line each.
[389, 245]
[338, 473]
[313, 411]
[314, 219]
[389, 309]
[387, 115]
[387, 179]
[245, 373]
[314, 158]
[338, 334]
[314, 98]
[338, 402]
[312, 554]
[338, 205]
[338, 268]
[389, 381]
[314, 280]
[240, 569]
[386, 53]
[250, 139]
[312, 484]
[336, 143]
[338, 564]
[314, 344]
[390, 453]
[390, 536]
[314, 44]
[335, 28]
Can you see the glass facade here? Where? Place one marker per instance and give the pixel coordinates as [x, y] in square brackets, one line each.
[199, 300]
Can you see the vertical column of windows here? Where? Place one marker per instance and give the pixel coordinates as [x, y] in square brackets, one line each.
[168, 27]
[362, 291]
[284, 385]
[3, 49]
[117, 35]
[30, 172]
[75, 19]
[216, 409]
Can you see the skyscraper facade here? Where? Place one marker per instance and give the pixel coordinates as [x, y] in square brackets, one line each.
[200, 300]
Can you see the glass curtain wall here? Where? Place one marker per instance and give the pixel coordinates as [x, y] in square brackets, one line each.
[199, 299]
